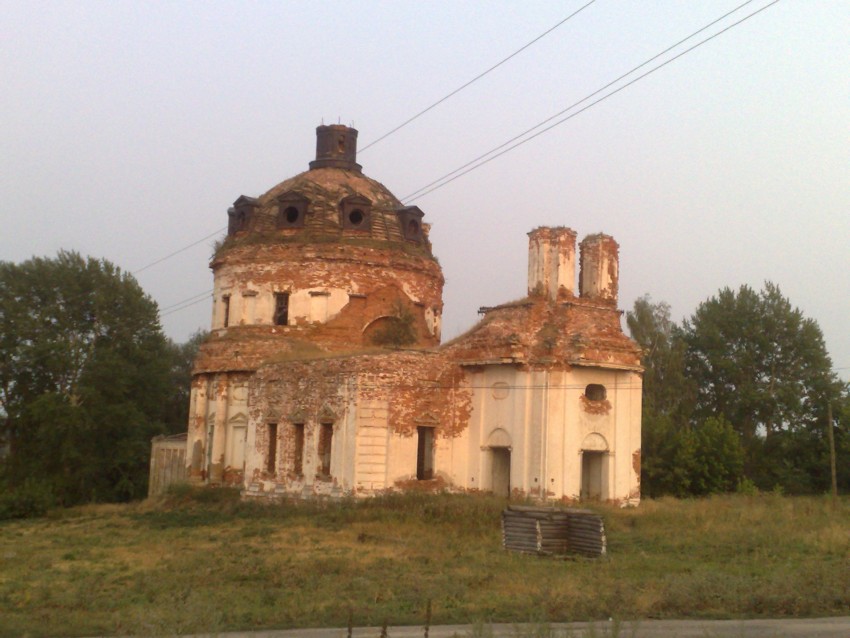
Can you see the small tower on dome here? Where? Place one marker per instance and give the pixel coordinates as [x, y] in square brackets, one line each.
[336, 147]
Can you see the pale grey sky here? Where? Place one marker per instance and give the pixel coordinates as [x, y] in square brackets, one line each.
[128, 128]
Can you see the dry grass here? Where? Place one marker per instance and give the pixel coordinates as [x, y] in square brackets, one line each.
[203, 562]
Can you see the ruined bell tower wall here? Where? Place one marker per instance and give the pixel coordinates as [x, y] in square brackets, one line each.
[599, 268]
[551, 262]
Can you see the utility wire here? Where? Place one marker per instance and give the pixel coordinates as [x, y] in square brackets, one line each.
[177, 252]
[400, 126]
[584, 99]
[426, 189]
[472, 165]
[186, 303]
[475, 79]
[180, 303]
[476, 163]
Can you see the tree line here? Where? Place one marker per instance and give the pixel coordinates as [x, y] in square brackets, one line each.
[738, 397]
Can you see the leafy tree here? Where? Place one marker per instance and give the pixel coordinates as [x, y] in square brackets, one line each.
[84, 378]
[739, 390]
[763, 366]
[667, 395]
[708, 459]
[666, 389]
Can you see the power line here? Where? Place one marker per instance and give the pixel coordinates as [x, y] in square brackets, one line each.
[186, 303]
[476, 78]
[400, 126]
[489, 155]
[460, 172]
[177, 252]
[181, 302]
[584, 99]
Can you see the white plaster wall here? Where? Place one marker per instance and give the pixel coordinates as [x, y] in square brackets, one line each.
[369, 453]
[542, 414]
[320, 306]
[401, 458]
[254, 304]
[237, 422]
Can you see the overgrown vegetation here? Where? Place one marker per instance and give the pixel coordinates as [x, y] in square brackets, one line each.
[204, 562]
[396, 331]
[738, 396]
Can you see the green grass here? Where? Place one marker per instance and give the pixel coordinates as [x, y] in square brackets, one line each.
[205, 562]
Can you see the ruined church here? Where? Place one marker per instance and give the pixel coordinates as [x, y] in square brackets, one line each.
[324, 372]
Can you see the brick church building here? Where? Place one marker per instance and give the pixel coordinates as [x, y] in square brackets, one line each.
[324, 372]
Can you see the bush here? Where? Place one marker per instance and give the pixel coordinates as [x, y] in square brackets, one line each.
[31, 499]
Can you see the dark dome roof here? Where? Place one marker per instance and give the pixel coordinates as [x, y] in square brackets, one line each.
[332, 199]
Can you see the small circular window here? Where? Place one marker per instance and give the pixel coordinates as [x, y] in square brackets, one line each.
[595, 392]
[356, 217]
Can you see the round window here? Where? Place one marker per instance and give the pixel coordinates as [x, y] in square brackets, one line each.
[356, 217]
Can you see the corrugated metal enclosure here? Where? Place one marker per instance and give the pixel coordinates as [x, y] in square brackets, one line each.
[168, 462]
[550, 530]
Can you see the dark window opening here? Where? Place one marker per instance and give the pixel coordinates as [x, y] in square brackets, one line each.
[425, 453]
[240, 214]
[410, 223]
[356, 217]
[291, 214]
[326, 433]
[595, 392]
[291, 210]
[281, 308]
[226, 310]
[340, 143]
[355, 212]
[271, 458]
[298, 449]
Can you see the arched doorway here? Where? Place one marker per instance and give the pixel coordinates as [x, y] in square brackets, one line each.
[594, 468]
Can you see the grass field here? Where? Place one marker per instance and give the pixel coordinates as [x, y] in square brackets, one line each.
[205, 562]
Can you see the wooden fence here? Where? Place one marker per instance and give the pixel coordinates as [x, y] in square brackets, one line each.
[168, 462]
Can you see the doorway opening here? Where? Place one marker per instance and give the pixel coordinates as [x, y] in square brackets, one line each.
[593, 466]
[501, 476]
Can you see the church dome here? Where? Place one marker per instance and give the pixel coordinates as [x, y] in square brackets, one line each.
[332, 200]
[326, 261]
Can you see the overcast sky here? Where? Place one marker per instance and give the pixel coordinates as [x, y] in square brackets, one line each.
[128, 128]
